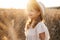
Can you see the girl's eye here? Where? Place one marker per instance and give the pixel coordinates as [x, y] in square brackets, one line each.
[32, 11]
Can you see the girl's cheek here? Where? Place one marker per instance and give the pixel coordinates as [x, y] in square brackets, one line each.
[31, 14]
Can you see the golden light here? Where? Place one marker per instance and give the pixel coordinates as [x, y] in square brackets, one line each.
[18, 4]
[21, 4]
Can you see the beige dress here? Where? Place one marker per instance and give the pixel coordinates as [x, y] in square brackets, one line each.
[33, 34]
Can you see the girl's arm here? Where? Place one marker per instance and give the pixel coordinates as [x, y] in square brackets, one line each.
[42, 36]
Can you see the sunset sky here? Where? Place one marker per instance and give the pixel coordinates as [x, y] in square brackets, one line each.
[21, 4]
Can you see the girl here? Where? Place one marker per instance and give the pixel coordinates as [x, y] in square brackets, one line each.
[35, 28]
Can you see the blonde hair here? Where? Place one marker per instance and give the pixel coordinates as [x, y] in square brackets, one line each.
[33, 4]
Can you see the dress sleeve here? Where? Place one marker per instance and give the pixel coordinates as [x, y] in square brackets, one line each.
[43, 28]
[40, 28]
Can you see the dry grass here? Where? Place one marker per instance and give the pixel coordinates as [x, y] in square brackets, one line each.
[52, 20]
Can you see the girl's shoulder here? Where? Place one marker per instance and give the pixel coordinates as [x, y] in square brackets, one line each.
[41, 25]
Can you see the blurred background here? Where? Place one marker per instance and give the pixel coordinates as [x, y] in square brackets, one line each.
[13, 19]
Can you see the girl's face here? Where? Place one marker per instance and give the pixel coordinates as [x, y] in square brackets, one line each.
[33, 14]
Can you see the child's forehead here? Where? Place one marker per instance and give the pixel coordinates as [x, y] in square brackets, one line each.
[33, 9]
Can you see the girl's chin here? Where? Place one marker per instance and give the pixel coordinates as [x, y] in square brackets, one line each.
[31, 17]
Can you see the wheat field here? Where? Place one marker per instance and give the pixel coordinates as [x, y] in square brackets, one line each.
[12, 23]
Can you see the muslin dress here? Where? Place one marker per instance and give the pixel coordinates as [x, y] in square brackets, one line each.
[33, 33]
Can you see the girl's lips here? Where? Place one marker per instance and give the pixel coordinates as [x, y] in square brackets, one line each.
[30, 15]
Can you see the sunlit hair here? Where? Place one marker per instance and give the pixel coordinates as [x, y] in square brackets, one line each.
[39, 7]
